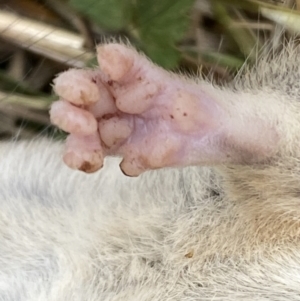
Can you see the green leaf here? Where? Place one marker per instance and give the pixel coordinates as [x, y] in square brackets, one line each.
[162, 53]
[111, 14]
[162, 23]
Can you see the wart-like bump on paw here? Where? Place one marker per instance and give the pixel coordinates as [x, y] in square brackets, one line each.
[115, 60]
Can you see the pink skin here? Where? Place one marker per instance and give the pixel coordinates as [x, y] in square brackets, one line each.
[134, 109]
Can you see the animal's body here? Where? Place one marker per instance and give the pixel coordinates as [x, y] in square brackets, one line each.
[227, 232]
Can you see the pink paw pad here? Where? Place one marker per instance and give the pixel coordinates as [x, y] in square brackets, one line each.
[138, 100]
[114, 131]
[151, 155]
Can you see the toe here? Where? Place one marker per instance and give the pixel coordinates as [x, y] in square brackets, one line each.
[115, 60]
[77, 86]
[72, 119]
[84, 153]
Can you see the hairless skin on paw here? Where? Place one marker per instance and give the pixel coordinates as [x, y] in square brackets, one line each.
[151, 118]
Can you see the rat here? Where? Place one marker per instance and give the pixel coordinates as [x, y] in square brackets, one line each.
[172, 188]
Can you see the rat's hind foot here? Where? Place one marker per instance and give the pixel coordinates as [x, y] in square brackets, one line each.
[134, 109]
[140, 112]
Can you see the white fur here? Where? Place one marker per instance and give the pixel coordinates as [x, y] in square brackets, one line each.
[167, 235]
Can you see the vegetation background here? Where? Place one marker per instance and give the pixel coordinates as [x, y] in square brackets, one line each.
[40, 38]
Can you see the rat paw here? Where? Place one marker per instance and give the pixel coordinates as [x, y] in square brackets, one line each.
[131, 108]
